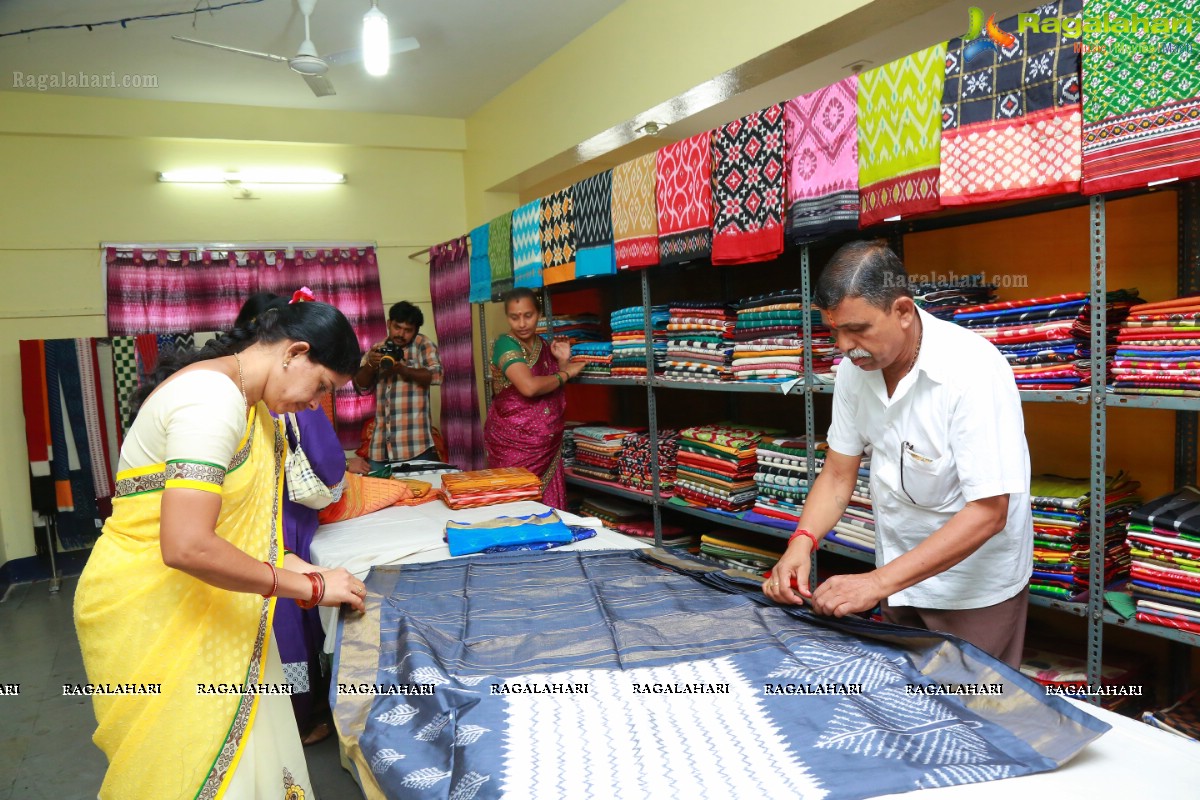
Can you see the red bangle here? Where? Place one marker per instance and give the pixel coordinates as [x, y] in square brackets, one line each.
[801, 532]
[274, 580]
[318, 590]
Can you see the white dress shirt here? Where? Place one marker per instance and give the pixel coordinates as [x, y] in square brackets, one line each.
[952, 432]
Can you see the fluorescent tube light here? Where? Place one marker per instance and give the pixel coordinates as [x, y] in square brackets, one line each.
[376, 48]
[265, 175]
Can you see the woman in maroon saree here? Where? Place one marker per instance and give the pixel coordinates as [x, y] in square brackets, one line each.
[524, 426]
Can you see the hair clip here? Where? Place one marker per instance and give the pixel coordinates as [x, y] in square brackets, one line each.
[302, 295]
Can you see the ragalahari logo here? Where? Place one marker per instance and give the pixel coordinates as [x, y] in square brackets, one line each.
[984, 36]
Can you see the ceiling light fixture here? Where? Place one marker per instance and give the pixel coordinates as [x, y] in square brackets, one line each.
[376, 48]
[253, 176]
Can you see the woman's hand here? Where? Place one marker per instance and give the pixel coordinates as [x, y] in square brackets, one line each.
[561, 350]
[342, 587]
[358, 465]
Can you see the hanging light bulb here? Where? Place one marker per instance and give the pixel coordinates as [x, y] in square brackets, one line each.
[375, 45]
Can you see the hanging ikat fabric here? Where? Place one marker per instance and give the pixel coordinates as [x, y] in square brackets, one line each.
[1011, 115]
[594, 226]
[1141, 94]
[821, 136]
[635, 213]
[748, 186]
[558, 237]
[683, 189]
[527, 245]
[500, 254]
[899, 135]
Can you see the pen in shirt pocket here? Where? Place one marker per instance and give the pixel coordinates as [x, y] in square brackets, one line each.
[917, 456]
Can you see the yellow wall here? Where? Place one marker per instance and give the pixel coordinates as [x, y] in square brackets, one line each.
[79, 171]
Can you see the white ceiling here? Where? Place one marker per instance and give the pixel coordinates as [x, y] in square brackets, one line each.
[470, 49]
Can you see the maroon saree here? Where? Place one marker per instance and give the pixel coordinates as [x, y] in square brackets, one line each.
[527, 431]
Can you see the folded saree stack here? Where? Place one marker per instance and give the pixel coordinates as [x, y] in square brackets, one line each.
[1164, 538]
[629, 340]
[632, 520]
[1118, 306]
[576, 328]
[700, 342]
[781, 476]
[1158, 349]
[944, 298]
[1061, 549]
[568, 445]
[769, 337]
[1036, 336]
[633, 464]
[596, 358]
[597, 448]
[752, 553]
[487, 487]
[716, 466]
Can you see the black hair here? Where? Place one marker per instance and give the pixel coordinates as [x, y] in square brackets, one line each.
[405, 312]
[866, 269]
[256, 304]
[520, 293]
[331, 340]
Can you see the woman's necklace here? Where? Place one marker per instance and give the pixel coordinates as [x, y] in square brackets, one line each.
[241, 380]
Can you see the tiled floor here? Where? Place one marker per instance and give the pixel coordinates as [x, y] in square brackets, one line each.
[46, 748]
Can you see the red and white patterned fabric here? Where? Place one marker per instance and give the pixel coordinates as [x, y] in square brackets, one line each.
[683, 191]
[748, 188]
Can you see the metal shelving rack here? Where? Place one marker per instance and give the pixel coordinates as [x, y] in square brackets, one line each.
[1095, 396]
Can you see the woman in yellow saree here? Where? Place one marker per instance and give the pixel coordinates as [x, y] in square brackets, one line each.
[176, 601]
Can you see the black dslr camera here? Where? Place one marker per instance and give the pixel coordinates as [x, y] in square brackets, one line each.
[389, 354]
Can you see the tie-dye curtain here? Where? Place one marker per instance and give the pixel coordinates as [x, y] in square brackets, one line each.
[449, 286]
[185, 290]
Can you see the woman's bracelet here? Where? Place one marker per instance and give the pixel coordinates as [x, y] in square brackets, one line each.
[559, 376]
[318, 594]
[274, 580]
[801, 532]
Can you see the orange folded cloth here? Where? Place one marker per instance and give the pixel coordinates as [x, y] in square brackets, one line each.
[489, 486]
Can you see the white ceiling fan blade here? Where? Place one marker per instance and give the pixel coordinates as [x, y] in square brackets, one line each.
[354, 55]
[319, 84]
[254, 53]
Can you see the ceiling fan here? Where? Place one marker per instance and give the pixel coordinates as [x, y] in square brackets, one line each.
[306, 62]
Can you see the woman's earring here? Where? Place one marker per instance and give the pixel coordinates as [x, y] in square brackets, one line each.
[285, 364]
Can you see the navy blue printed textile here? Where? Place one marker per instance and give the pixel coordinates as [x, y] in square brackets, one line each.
[634, 674]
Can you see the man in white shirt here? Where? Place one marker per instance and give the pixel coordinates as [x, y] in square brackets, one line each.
[938, 409]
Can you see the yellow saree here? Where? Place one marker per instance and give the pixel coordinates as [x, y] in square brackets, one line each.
[141, 622]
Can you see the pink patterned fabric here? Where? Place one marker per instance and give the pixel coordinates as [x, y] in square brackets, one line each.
[528, 431]
[182, 291]
[449, 287]
[821, 134]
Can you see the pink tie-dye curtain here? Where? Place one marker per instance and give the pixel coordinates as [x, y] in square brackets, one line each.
[449, 288]
[190, 290]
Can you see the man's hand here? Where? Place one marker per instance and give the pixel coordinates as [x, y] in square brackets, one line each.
[375, 354]
[358, 465]
[788, 583]
[848, 594]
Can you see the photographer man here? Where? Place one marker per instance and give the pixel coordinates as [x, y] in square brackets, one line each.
[401, 369]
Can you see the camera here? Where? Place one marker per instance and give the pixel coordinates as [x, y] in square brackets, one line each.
[389, 354]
